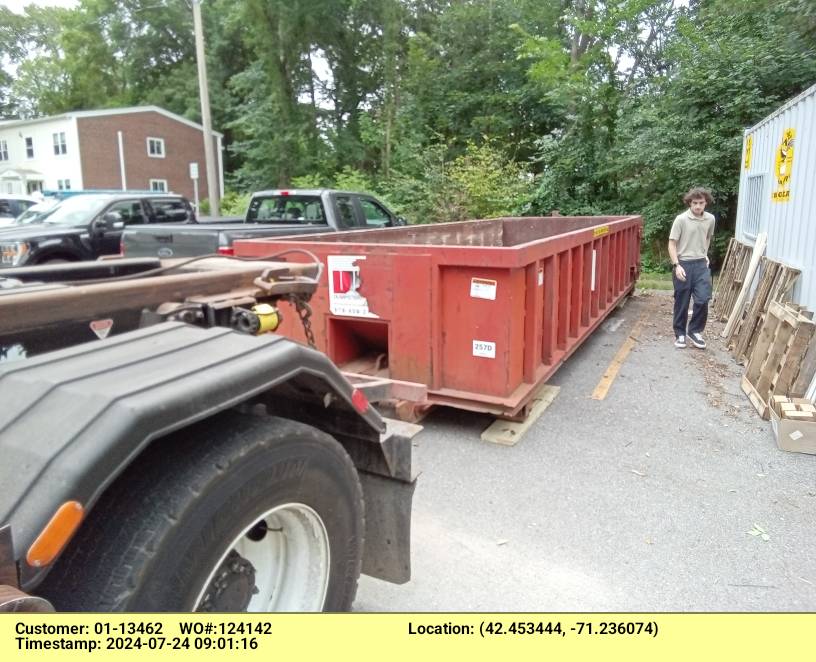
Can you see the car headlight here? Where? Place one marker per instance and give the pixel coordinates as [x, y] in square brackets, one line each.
[13, 253]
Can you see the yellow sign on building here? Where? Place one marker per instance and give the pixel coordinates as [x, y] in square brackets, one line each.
[784, 167]
[749, 149]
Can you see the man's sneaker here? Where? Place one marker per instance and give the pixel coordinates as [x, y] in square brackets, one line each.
[697, 340]
[680, 342]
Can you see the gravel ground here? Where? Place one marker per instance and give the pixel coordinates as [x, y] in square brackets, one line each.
[642, 501]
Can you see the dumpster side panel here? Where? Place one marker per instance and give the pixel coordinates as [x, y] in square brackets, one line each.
[482, 329]
[410, 343]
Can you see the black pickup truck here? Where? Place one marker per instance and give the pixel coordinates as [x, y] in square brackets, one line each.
[86, 227]
[271, 213]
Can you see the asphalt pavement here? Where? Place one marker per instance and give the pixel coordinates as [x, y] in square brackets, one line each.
[642, 501]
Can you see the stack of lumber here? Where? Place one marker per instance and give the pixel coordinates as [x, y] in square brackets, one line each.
[783, 359]
[732, 275]
[775, 284]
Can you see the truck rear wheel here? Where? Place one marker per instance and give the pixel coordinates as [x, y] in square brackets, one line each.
[238, 513]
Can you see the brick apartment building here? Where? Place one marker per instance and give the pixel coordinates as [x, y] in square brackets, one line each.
[144, 147]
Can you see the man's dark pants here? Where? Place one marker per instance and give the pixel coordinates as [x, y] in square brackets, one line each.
[696, 285]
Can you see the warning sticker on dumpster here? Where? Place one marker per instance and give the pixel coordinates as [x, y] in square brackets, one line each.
[344, 285]
[484, 348]
[482, 288]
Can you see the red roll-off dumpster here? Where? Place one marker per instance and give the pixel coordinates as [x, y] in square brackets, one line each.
[482, 312]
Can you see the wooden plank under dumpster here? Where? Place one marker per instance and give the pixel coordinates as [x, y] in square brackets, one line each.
[482, 312]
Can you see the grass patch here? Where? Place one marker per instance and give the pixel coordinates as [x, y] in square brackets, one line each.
[655, 280]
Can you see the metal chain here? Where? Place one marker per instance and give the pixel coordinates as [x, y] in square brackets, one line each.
[304, 311]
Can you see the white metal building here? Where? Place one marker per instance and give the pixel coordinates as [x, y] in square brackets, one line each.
[777, 192]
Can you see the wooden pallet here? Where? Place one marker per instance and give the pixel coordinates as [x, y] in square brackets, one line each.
[732, 275]
[777, 358]
[775, 284]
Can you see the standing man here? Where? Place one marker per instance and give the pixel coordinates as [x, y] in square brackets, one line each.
[689, 240]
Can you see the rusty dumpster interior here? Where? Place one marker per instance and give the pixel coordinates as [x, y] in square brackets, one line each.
[495, 232]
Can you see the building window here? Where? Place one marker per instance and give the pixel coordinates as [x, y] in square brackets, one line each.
[64, 184]
[754, 202]
[29, 141]
[3, 150]
[158, 185]
[155, 148]
[59, 143]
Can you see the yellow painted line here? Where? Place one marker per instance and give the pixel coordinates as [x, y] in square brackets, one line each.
[612, 371]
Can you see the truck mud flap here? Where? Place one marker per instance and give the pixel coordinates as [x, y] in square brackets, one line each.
[387, 552]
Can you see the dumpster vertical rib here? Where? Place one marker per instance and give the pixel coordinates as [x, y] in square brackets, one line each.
[603, 281]
[548, 325]
[436, 327]
[586, 293]
[577, 286]
[564, 295]
[596, 263]
[624, 252]
[533, 311]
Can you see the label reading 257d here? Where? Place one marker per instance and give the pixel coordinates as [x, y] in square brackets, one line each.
[484, 348]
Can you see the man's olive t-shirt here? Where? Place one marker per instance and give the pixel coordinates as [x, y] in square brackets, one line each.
[692, 234]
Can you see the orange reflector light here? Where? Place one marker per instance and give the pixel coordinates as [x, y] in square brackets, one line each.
[56, 534]
[359, 401]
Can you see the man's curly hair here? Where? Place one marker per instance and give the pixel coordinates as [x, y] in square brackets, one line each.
[698, 192]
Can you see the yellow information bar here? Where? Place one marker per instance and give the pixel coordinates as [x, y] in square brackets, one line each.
[414, 637]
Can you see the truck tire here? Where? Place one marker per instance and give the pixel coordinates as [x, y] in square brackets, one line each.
[236, 513]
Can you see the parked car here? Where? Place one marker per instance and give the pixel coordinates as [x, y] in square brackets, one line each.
[85, 227]
[11, 206]
[270, 213]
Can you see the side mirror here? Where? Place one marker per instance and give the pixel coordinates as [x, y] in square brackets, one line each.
[400, 220]
[107, 222]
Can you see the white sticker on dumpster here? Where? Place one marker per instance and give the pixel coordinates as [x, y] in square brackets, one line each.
[101, 327]
[482, 288]
[344, 284]
[540, 277]
[484, 349]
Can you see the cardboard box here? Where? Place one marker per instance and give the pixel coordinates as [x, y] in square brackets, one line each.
[795, 436]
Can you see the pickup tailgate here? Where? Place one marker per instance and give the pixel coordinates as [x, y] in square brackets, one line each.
[169, 240]
[190, 240]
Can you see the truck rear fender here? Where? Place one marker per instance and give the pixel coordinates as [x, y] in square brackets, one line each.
[72, 420]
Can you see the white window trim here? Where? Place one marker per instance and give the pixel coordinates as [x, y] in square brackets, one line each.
[163, 182]
[4, 148]
[25, 146]
[760, 200]
[62, 143]
[161, 142]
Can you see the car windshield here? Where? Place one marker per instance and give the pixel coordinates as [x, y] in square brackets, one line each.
[36, 213]
[75, 211]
